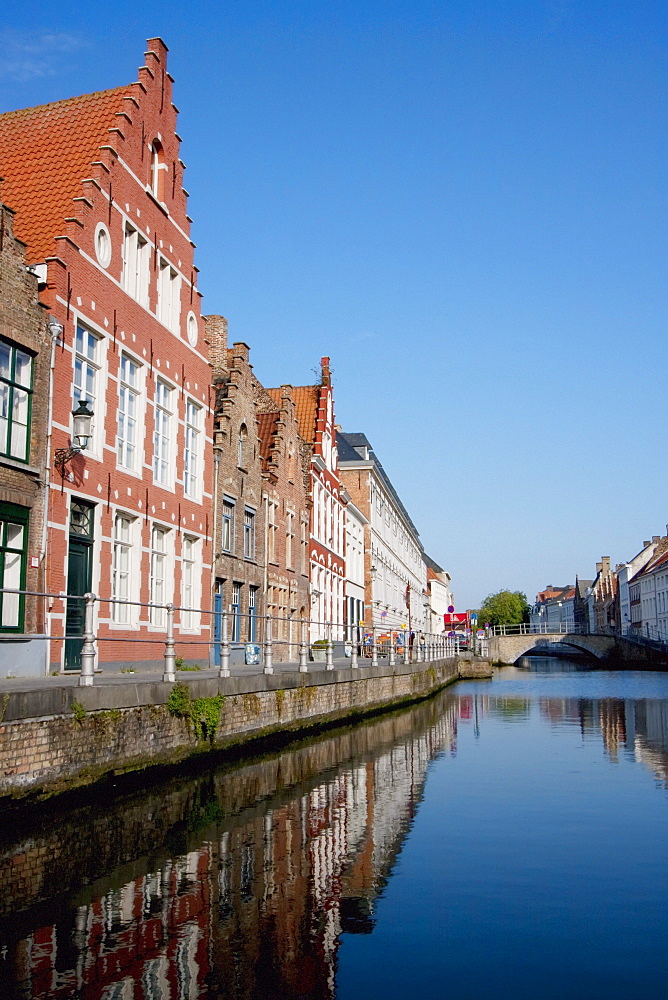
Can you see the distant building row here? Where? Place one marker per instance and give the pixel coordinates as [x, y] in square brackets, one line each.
[631, 598]
[184, 480]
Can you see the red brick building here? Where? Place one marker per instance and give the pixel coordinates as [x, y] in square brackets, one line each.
[286, 470]
[314, 407]
[97, 186]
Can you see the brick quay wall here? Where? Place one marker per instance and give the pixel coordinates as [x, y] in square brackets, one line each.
[65, 849]
[56, 738]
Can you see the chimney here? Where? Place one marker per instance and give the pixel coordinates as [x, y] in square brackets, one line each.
[599, 567]
[326, 374]
[606, 563]
[645, 544]
[656, 539]
[215, 335]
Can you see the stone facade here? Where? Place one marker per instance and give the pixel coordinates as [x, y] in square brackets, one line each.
[25, 360]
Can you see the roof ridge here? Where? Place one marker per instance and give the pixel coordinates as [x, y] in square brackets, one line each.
[67, 100]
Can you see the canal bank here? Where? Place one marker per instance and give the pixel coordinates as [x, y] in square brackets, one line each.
[56, 737]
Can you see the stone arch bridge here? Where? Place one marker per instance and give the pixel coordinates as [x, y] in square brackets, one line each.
[604, 649]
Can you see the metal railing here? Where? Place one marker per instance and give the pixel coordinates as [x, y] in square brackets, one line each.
[538, 628]
[360, 644]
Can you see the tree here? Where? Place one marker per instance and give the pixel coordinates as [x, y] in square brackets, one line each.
[506, 607]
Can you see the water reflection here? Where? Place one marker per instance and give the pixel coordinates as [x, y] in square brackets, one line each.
[261, 871]
[241, 882]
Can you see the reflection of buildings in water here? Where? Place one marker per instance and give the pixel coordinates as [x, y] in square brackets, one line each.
[638, 726]
[257, 909]
[648, 727]
[125, 938]
[612, 720]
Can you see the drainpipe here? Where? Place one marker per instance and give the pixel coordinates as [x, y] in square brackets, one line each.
[216, 465]
[56, 330]
[265, 497]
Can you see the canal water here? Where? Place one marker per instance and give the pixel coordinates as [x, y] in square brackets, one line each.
[507, 838]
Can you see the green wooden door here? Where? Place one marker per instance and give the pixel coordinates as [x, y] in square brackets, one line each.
[79, 564]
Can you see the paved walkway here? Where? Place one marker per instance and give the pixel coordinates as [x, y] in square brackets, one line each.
[149, 675]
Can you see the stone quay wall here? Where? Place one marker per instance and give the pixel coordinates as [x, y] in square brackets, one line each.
[56, 738]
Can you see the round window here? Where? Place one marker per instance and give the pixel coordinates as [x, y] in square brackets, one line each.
[191, 327]
[103, 245]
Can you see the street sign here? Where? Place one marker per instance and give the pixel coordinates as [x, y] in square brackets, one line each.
[451, 608]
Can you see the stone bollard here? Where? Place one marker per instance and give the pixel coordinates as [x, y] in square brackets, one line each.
[303, 649]
[88, 648]
[224, 670]
[170, 657]
[268, 648]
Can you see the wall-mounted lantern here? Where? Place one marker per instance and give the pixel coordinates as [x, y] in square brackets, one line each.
[82, 430]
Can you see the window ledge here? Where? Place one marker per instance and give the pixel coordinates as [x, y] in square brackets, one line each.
[161, 205]
[21, 636]
[14, 463]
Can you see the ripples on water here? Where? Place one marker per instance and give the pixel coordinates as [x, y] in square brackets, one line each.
[506, 838]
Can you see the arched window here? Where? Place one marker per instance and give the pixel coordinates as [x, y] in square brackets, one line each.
[158, 170]
[241, 445]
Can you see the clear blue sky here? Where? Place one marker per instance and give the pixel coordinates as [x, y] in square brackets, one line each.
[464, 204]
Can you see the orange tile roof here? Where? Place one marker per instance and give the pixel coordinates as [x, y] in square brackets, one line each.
[266, 430]
[45, 153]
[305, 398]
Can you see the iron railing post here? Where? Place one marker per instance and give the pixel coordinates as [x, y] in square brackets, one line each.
[354, 634]
[268, 648]
[392, 657]
[303, 658]
[329, 656]
[224, 647]
[374, 647]
[170, 656]
[88, 648]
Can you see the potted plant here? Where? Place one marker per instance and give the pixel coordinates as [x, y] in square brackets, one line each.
[319, 650]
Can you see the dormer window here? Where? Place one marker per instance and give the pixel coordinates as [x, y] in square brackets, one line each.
[158, 170]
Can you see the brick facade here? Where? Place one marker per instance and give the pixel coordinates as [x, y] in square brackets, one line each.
[315, 415]
[23, 480]
[239, 514]
[121, 280]
[285, 460]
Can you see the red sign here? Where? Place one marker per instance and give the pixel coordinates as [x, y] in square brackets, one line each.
[459, 616]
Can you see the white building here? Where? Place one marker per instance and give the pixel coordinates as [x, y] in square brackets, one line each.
[439, 596]
[630, 604]
[395, 571]
[650, 614]
[354, 528]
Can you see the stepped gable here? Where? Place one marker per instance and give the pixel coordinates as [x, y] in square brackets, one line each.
[305, 398]
[63, 139]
